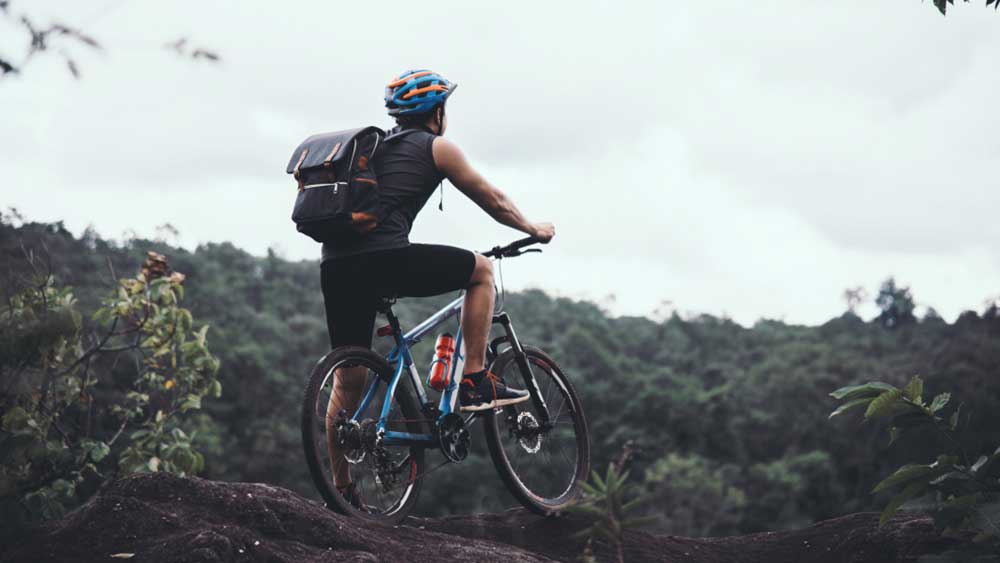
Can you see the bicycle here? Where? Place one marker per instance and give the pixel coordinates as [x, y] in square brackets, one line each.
[385, 440]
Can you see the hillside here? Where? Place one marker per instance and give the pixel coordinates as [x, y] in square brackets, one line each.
[732, 421]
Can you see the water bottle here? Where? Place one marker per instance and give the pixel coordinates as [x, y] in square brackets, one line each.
[444, 350]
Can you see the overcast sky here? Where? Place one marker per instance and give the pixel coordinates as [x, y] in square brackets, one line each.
[751, 159]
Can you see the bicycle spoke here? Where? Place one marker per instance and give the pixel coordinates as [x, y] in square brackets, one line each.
[382, 476]
[544, 461]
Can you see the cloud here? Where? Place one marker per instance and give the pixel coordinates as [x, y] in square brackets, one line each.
[746, 158]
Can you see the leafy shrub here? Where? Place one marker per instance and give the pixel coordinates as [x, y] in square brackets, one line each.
[961, 492]
[78, 406]
[605, 506]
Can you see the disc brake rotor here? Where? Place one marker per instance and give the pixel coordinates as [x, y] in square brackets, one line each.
[349, 441]
[529, 434]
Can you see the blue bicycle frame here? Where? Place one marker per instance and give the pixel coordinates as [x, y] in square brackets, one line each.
[400, 355]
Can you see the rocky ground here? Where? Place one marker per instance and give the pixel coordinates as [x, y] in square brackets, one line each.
[160, 517]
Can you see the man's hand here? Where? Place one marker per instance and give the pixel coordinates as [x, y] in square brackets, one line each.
[543, 231]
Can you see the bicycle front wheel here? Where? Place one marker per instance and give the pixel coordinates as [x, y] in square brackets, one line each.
[543, 467]
[386, 480]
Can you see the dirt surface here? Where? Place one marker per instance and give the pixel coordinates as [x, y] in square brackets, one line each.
[160, 517]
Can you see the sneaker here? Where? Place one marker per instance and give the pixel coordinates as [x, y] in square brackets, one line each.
[491, 392]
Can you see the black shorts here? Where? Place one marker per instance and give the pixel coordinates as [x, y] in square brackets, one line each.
[352, 285]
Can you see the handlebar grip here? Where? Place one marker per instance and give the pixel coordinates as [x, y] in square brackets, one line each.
[522, 243]
[500, 251]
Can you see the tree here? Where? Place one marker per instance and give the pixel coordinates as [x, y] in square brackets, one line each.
[854, 296]
[942, 5]
[896, 304]
[61, 38]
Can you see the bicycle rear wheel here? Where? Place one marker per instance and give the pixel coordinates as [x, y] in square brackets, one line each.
[542, 468]
[385, 478]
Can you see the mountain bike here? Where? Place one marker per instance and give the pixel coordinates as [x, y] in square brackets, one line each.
[540, 447]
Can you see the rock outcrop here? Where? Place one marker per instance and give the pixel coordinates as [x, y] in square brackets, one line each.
[160, 517]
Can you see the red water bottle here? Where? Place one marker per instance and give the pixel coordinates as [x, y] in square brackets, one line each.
[444, 350]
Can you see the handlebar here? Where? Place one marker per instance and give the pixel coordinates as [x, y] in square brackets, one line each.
[513, 249]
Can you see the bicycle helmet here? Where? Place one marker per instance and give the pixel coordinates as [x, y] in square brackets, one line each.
[417, 91]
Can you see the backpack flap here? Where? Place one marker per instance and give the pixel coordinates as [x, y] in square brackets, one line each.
[327, 149]
[337, 197]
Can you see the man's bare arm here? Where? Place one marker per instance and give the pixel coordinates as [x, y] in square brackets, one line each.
[450, 160]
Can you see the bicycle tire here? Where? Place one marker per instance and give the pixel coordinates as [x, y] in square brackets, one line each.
[494, 420]
[315, 445]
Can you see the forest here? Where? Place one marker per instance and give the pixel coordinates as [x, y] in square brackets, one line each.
[731, 423]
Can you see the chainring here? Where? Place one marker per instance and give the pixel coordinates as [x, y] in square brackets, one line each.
[453, 437]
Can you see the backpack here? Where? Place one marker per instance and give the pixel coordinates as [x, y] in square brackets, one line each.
[338, 196]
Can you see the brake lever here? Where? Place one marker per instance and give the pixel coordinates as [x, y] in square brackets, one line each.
[514, 253]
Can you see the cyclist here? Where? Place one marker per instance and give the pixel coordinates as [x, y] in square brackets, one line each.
[411, 164]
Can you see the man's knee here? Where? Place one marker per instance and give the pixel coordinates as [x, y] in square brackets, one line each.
[483, 271]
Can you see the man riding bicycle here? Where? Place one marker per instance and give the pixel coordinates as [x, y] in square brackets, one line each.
[411, 164]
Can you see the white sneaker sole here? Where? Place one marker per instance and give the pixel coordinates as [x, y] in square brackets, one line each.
[496, 403]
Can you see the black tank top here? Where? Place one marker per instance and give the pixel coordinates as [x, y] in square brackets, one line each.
[406, 179]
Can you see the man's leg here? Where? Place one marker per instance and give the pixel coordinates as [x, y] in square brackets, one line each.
[436, 269]
[350, 317]
[347, 388]
[477, 314]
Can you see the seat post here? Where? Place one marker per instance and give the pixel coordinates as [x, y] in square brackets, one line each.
[386, 307]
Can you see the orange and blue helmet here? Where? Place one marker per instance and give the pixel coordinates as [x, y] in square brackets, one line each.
[417, 91]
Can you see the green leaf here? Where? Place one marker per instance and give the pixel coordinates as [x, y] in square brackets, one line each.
[868, 389]
[586, 509]
[883, 404]
[216, 388]
[912, 490]
[610, 478]
[940, 401]
[914, 390]
[15, 419]
[98, 451]
[598, 482]
[850, 405]
[191, 402]
[636, 502]
[185, 321]
[201, 334]
[953, 421]
[905, 473]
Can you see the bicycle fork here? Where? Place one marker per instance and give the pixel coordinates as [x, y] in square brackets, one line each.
[523, 365]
